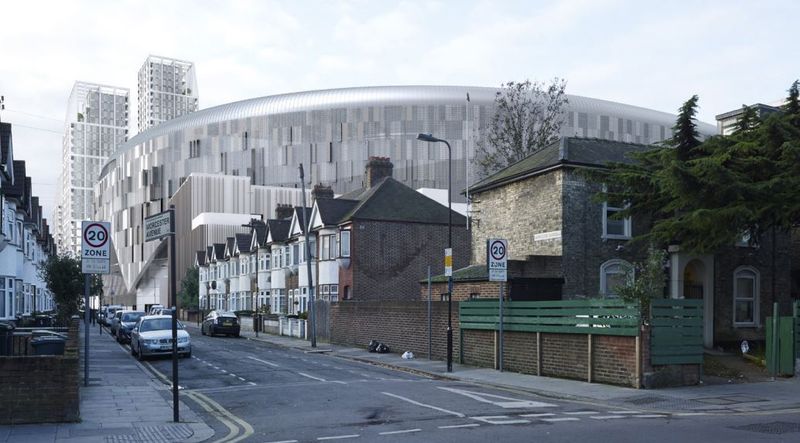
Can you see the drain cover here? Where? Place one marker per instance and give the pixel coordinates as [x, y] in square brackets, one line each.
[776, 427]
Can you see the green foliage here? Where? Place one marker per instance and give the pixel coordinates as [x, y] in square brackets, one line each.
[792, 106]
[62, 276]
[748, 121]
[706, 195]
[647, 282]
[188, 296]
[528, 117]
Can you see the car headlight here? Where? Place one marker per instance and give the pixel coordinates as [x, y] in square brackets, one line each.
[151, 342]
[183, 339]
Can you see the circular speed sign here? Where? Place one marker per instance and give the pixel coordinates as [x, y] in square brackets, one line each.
[497, 249]
[95, 235]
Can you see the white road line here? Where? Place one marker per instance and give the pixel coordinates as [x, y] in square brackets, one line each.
[338, 437]
[311, 376]
[232, 375]
[251, 383]
[650, 416]
[581, 413]
[240, 378]
[500, 420]
[689, 414]
[555, 420]
[404, 431]
[608, 417]
[506, 402]
[546, 414]
[283, 441]
[263, 361]
[470, 425]
[223, 371]
[624, 412]
[457, 414]
[339, 381]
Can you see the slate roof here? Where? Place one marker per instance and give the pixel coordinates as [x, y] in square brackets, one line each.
[567, 151]
[201, 258]
[390, 200]
[261, 231]
[243, 242]
[6, 149]
[279, 229]
[331, 211]
[17, 190]
[229, 243]
[209, 253]
[219, 251]
[298, 210]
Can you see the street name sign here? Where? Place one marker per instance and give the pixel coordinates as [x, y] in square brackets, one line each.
[497, 260]
[158, 226]
[95, 247]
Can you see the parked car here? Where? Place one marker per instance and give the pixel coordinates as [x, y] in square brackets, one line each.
[126, 323]
[220, 322]
[154, 309]
[152, 335]
[113, 324]
[108, 314]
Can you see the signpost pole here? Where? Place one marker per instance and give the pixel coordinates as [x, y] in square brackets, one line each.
[500, 338]
[86, 329]
[95, 259]
[173, 296]
[497, 264]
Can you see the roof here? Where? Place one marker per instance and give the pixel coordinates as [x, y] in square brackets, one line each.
[760, 108]
[6, 147]
[298, 211]
[219, 251]
[230, 242]
[200, 258]
[260, 229]
[390, 200]
[17, 190]
[243, 242]
[331, 210]
[573, 151]
[278, 229]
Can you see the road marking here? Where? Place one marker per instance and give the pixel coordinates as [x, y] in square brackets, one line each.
[223, 371]
[608, 417]
[500, 420]
[559, 419]
[263, 361]
[240, 378]
[469, 425]
[580, 413]
[232, 375]
[338, 437]
[547, 414]
[251, 383]
[508, 403]
[339, 381]
[650, 416]
[690, 414]
[311, 376]
[457, 414]
[248, 430]
[233, 429]
[624, 412]
[404, 431]
[283, 441]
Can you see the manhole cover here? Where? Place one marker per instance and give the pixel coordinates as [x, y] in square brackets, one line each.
[776, 427]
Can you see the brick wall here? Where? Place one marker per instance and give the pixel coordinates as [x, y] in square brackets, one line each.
[41, 389]
[462, 290]
[402, 325]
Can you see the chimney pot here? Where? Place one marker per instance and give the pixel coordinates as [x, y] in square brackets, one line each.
[376, 169]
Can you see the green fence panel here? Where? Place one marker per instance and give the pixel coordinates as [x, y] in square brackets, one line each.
[601, 317]
[676, 332]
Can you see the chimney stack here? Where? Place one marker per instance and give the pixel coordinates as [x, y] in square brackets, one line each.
[321, 191]
[283, 211]
[377, 168]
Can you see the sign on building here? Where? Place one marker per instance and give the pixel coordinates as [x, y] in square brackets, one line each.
[158, 226]
[95, 247]
[497, 260]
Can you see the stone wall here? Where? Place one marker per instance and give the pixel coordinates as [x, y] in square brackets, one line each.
[41, 389]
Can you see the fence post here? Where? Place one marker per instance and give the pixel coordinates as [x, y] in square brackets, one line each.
[589, 358]
[539, 353]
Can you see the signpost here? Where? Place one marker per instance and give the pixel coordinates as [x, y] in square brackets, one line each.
[157, 227]
[497, 263]
[95, 259]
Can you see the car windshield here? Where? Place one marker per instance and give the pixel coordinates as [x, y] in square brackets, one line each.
[156, 324]
[132, 316]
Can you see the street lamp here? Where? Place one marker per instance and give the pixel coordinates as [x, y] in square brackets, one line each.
[431, 139]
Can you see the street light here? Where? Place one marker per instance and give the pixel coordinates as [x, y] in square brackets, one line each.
[431, 139]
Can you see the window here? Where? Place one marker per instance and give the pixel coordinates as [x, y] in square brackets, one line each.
[745, 296]
[614, 273]
[344, 243]
[614, 228]
[326, 247]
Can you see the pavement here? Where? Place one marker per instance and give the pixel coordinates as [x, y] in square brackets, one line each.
[779, 396]
[123, 403]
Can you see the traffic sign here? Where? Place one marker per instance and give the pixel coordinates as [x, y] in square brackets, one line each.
[95, 247]
[448, 262]
[158, 226]
[497, 260]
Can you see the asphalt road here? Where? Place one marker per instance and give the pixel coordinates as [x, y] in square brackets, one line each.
[254, 391]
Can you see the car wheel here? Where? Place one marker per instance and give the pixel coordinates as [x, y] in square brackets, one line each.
[133, 353]
[202, 331]
[236, 335]
[211, 331]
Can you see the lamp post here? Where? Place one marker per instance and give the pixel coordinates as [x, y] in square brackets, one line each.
[431, 139]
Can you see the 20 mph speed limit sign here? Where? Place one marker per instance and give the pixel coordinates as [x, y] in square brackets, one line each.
[95, 247]
[497, 260]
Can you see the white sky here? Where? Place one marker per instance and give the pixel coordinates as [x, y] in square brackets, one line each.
[653, 54]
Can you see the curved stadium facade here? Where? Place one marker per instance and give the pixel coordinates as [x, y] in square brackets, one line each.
[332, 133]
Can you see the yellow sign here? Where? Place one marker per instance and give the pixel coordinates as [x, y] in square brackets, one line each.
[448, 262]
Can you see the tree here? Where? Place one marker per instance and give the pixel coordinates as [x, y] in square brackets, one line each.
[528, 117]
[647, 282]
[62, 276]
[190, 288]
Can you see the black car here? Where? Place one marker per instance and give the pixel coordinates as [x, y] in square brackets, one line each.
[220, 322]
[127, 321]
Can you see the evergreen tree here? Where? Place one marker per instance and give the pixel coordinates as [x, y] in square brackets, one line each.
[62, 276]
[190, 288]
[748, 120]
[792, 106]
[685, 137]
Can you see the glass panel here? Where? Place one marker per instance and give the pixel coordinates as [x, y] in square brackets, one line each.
[744, 312]
[745, 287]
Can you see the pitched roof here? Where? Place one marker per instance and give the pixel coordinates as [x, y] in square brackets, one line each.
[17, 190]
[390, 200]
[278, 229]
[209, 253]
[219, 251]
[332, 210]
[6, 148]
[200, 258]
[260, 229]
[243, 242]
[574, 151]
[230, 242]
[298, 211]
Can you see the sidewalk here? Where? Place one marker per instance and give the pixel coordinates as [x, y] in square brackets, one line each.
[123, 403]
[781, 395]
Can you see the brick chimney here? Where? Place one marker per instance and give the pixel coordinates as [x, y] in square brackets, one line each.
[283, 211]
[321, 191]
[377, 168]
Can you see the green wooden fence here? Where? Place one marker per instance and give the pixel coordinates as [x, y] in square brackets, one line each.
[796, 313]
[676, 332]
[595, 316]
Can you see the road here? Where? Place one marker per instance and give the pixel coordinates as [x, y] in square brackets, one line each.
[255, 391]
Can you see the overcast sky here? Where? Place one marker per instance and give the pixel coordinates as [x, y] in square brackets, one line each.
[650, 54]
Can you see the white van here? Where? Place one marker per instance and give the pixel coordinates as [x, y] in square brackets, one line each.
[154, 309]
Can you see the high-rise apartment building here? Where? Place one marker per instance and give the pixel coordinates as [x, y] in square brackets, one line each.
[167, 89]
[96, 124]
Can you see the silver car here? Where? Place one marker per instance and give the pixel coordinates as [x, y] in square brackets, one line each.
[152, 335]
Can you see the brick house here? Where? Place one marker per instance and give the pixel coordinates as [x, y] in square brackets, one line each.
[543, 206]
